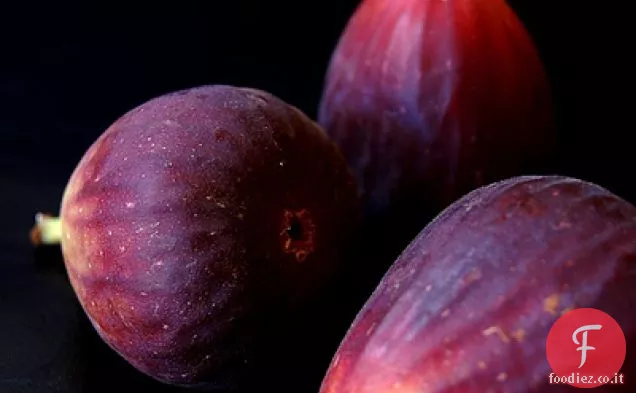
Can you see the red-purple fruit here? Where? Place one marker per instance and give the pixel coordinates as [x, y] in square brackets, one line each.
[467, 306]
[430, 99]
[198, 219]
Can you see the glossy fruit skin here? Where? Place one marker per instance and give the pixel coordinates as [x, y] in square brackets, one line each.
[468, 305]
[431, 99]
[198, 219]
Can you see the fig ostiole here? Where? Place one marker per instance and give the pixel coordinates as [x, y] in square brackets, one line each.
[195, 221]
[468, 305]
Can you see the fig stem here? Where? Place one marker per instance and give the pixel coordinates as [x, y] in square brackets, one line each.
[47, 230]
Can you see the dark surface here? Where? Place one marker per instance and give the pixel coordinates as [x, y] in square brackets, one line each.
[69, 69]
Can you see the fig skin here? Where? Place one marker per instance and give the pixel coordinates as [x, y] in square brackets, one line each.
[468, 305]
[431, 99]
[197, 221]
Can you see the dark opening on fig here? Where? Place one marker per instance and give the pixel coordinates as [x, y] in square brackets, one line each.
[298, 232]
[295, 229]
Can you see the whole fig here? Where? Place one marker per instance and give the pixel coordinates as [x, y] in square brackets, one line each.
[428, 100]
[198, 221]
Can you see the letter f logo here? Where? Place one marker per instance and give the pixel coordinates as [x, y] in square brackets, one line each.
[584, 347]
[572, 331]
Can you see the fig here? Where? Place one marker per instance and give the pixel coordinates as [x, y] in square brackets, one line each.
[468, 305]
[196, 222]
[431, 99]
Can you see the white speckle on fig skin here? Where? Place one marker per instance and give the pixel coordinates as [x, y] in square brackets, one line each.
[194, 240]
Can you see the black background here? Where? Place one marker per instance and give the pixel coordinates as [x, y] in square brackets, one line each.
[69, 69]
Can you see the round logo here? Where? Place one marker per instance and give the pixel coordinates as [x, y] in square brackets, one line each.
[586, 349]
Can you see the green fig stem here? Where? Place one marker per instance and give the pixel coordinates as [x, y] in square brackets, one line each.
[47, 230]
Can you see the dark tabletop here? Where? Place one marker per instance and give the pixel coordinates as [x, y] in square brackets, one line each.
[68, 69]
